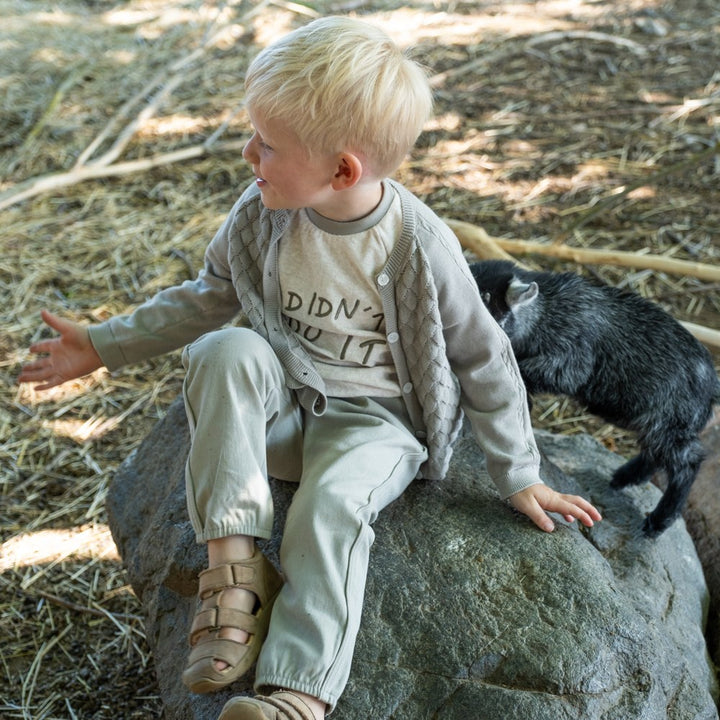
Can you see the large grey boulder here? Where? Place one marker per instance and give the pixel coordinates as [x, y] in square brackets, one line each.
[471, 613]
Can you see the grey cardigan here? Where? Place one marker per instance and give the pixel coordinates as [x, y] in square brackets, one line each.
[449, 354]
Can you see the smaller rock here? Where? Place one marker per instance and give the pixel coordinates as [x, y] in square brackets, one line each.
[702, 517]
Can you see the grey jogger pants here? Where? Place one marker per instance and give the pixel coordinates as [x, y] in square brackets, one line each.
[350, 463]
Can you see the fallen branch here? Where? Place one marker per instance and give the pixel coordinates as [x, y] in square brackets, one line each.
[55, 181]
[703, 334]
[477, 241]
[472, 237]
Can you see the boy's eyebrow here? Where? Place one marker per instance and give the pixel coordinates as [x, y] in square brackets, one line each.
[262, 138]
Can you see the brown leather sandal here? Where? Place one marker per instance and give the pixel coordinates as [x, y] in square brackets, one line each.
[255, 574]
[281, 705]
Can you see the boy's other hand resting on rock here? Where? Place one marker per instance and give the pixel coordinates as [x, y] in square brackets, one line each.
[535, 500]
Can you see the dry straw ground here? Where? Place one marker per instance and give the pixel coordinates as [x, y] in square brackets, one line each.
[591, 122]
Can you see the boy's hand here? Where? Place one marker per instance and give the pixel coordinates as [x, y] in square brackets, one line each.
[536, 499]
[64, 358]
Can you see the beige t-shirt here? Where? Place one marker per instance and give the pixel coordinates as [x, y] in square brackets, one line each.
[329, 296]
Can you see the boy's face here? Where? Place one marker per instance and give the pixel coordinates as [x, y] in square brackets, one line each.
[287, 176]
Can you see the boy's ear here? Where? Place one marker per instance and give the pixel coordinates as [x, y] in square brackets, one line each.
[348, 172]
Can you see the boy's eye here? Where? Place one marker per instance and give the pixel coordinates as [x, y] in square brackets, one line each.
[265, 146]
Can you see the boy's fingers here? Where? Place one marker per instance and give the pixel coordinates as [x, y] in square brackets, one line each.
[586, 507]
[538, 500]
[32, 372]
[54, 321]
[536, 513]
[572, 507]
[42, 346]
[57, 323]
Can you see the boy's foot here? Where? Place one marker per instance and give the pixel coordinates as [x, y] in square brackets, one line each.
[281, 705]
[232, 622]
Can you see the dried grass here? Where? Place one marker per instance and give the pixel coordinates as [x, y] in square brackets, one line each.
[544, 111]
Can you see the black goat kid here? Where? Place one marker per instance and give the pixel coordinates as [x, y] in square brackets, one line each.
[621, 356]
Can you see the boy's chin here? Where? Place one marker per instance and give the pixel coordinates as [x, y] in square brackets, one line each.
[272, 203]
[268, 201]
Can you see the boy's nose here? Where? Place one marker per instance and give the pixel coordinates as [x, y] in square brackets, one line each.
[249, 150]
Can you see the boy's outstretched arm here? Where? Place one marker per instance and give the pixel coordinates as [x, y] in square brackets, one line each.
[69, 356]
[535, 500]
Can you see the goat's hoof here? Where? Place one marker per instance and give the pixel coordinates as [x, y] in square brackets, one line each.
[652, 528]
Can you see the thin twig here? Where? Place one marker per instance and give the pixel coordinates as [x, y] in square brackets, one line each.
[76, 607]
[587, 35]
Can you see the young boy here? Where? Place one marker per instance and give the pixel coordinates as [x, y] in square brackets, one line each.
[368, 341]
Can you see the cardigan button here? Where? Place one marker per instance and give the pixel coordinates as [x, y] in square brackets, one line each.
[407, 388]
[393, 337]
[383, 279]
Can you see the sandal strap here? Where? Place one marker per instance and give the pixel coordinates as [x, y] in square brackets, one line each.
[282, 698]
[213, 618]
[256, 574]
[281, 705]
[226, 576]
[229, 651]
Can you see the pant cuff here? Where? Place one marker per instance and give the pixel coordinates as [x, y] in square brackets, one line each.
[266, 685]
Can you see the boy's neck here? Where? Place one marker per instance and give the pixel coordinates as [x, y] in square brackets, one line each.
[354, 203]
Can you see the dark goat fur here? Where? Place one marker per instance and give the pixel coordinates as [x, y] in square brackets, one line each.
[618, 354]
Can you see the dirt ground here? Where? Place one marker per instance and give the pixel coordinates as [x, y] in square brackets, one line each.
[589, 122]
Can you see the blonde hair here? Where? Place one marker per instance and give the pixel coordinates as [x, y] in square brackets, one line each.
[342, 85]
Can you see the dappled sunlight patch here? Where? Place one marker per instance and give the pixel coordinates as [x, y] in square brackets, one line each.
[154, 17]
[121, 57]
[179, 125]
[69, 391]
[49, 55]
[447, 122]
[81, 431]
[268, 27]
[51, 17]
[460, 149]
[45, 548]
[410, 26]
[129, 16]
[642, 193]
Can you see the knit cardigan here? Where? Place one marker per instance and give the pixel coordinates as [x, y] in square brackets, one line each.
[448, 352]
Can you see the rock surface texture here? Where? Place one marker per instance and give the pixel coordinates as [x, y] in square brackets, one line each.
[470, 613]
[702, 517]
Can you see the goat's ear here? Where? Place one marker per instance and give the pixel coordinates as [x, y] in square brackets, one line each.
[520, 293]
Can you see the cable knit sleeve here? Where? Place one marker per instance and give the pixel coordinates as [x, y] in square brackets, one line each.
[492, 391]
[466, 362]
